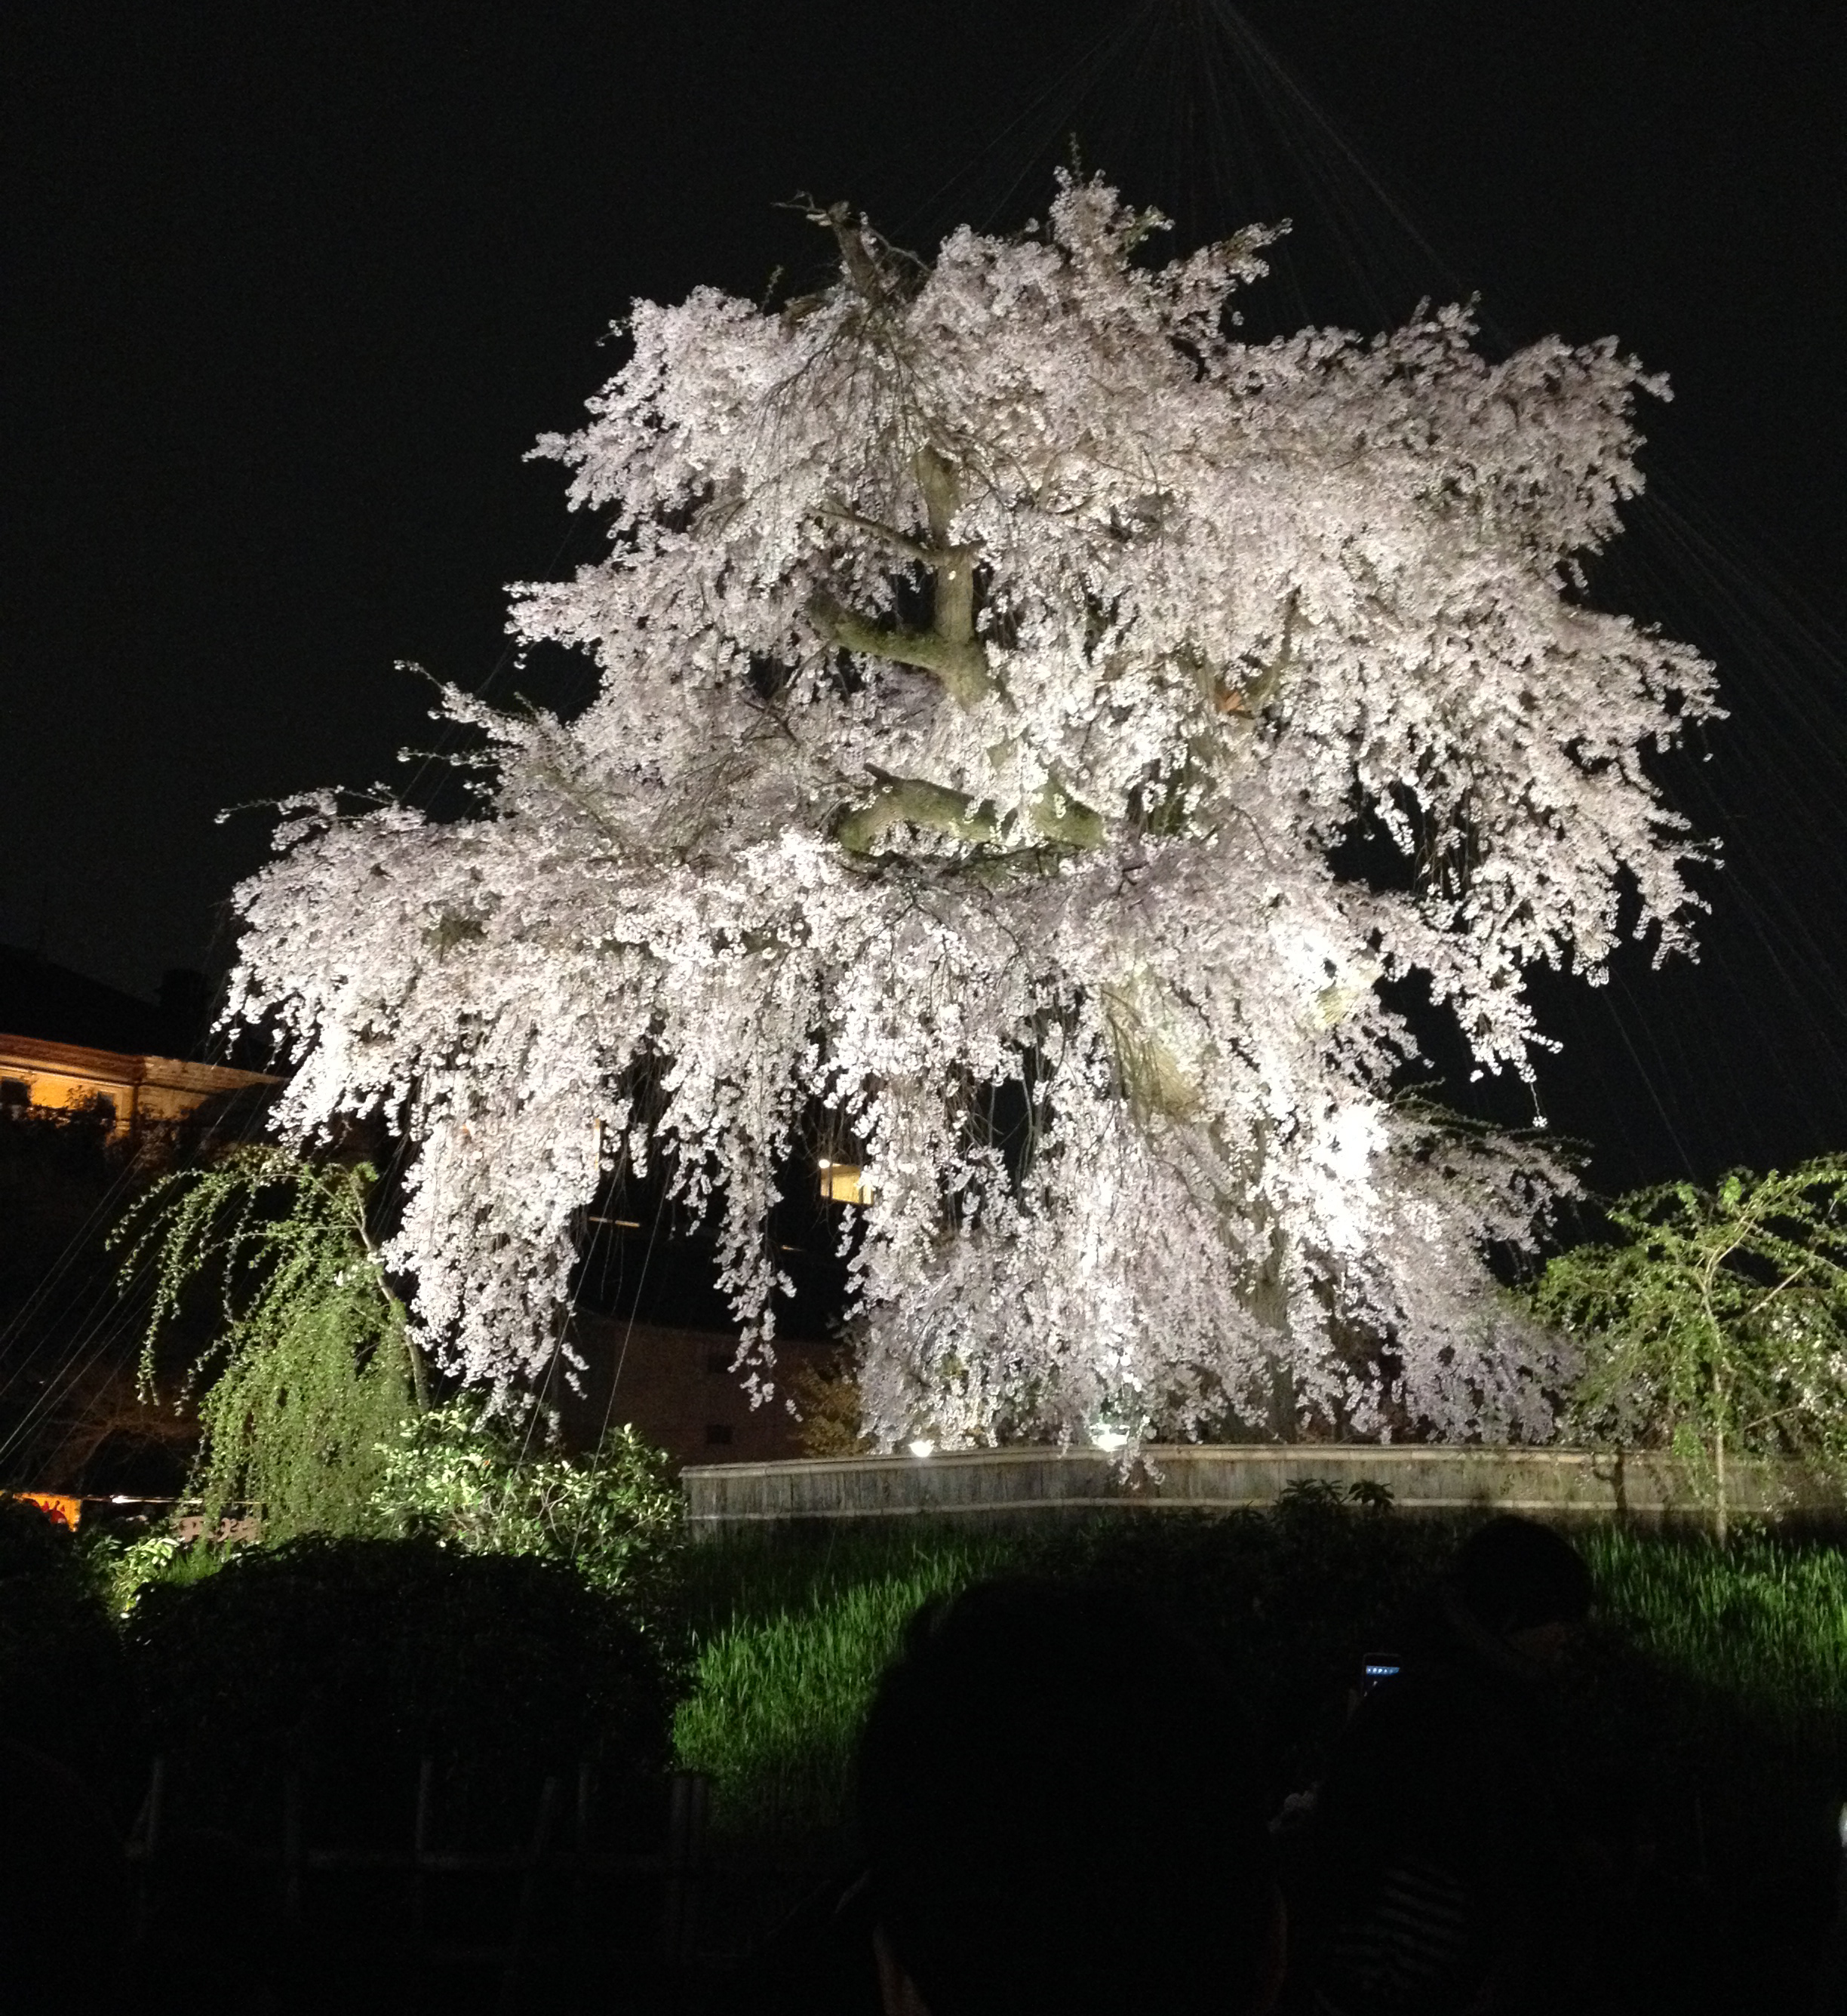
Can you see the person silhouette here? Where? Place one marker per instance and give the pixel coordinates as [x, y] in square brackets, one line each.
[1061, 1811]
[1440, 1873]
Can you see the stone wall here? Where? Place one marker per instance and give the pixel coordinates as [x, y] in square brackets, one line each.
[1007, 1484]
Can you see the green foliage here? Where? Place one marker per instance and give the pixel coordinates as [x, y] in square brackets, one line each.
[123, 1570]
[1315, 1493]
[1710, 1700]
[1717, 1321]
[1763, 1624]
[781, 1686]
[827, 1405]
[313, 1369]
[349, 1660]
[614, 1515]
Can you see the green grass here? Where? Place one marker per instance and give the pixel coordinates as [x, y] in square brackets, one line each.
[1763, 1626]
[1712, 1678]
[792, 1630]
[786, 1666]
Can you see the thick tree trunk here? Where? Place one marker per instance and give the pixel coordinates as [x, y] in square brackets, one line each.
[951, 648]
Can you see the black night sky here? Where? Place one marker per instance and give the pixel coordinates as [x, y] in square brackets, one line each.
[289, 289]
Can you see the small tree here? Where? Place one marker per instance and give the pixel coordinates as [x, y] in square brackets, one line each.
[1719, 1321]
[316, 1370]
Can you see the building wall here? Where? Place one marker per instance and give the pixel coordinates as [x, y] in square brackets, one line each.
[979, 1486]
[63, 1077]
[49, 1091]
[677, 1389]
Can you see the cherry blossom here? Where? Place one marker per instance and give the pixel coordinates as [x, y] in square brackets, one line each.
[998, 655]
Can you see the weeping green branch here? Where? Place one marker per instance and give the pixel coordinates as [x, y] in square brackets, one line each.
[311, 1368]
[1716, 1320]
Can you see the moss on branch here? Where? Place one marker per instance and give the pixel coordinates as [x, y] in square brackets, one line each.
[936, 809]
[1055, 815]
[915, 801]
[950, 648]
[961, 663]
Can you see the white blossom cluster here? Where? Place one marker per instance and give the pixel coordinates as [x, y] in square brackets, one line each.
[995, 654]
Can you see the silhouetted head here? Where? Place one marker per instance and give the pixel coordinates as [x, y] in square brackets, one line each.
[1061, 1814]
[1523, 1583]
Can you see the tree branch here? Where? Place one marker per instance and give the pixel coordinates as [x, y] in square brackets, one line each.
[856, 262]
[915, 801]
[901, 542]
[950, 648]
[960, 662]
[420, 1373]
[1058, 815]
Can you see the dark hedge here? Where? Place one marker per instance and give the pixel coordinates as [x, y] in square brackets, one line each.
[346, 1662]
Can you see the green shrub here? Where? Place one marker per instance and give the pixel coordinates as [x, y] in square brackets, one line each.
[614, 1516]
[124, 1569]
[347, 1661]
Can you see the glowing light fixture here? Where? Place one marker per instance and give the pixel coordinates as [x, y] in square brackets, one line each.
[1108, 1438]
[922, 1447]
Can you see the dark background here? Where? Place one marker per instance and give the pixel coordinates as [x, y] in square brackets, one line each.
[290, 290]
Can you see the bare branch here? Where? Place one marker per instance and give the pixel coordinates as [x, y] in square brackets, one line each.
[900, 542]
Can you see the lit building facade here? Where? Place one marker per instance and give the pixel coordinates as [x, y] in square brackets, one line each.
[124, 1090]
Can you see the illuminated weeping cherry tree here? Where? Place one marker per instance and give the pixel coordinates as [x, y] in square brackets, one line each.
[995, 656]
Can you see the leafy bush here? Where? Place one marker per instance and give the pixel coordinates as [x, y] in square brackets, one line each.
[348, 1660]
[123, 1570]
[614, 1516]
[829, 1406]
